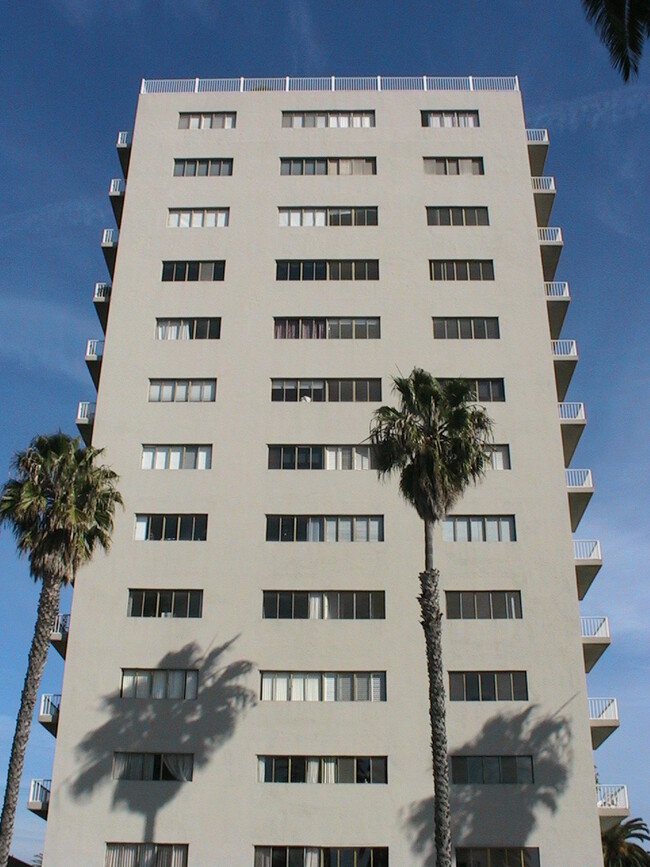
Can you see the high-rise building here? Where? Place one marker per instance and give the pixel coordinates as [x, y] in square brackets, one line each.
[245, 680]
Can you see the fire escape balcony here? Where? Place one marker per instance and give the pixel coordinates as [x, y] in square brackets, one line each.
[109, 248]
[123, 145]
[603, 719]
[101, 300]
[48, 712]
[580, 488]
[59, 634]
[544, 195]
[94, 354]
[550, 243]
[565, 358]
[537, 149]
[588, 561]
[38, 800]
[116, 191]
[85, 420]
[595, 639]
[557, 304]
[572, 423]
[612, 805]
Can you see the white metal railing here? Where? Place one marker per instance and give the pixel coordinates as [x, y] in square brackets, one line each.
[557, 289]
[612, 797]
[550, 235]
[123, 139]
[564, 348]
[61, 623]
[50, 704]
[571, 411]
[39, 791]
[587, 549]
[94, 348]
[603, 708]
[544, 184]
[85, 411]
[579, 479]
[102, 292]
[594, 627]
[117, 187]
[109, 237]
[537, 136]
[331, 83]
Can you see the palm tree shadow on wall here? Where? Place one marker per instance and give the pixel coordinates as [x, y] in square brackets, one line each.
[200, 727]
[547, 739]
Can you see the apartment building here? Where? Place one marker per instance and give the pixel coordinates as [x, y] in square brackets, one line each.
[283, 248]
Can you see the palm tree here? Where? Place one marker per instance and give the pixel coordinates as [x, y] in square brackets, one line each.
[617, 849]
[60, 506]
[623, 26]
[438, 442]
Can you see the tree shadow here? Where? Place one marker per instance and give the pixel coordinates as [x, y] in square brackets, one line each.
[547, 739]
[198, 726]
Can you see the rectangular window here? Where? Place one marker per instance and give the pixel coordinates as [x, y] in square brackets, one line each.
[322, 769]
[466, 328]
[486, 770]
[171, 528]
[457, 216]
[325, 390]
[176, 457]
[165, 603]
[484, 605]
[322, 217]
[159, 683]
[146, 854]
[448, 119]
[292, 457]
[515, 856]
[488, 686]
[500, 456]
[324, 605]
[198, 218]
[160, 767]
[327, 269]
[313, 166]
[315, 856]
[327, 328]
[189, 328]
[454, 166]
[324, 528]
[461, 269]
[193, 271]
[323, 686]
[207, 120]
[479, 528]
[208, 167]
[486, 390]
[328, 119]
[182, 390]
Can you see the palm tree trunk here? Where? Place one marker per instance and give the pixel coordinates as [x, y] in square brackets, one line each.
[431, 619]
[48, 608]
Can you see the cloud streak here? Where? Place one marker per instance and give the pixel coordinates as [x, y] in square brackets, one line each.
[306, 46]
[606, 108]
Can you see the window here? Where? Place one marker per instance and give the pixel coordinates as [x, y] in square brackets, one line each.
[171, 528]
[198, 218]
[488, 686]
[326, 390]
[450, 118]
[159, 683]
[158, 457]
[146, 855]
[500, 457]
[328, 166]
[491, 769]
[484, 605]
[495, 857]
[326, 328]
[322, 769]
[207, 120]
[320, 217]
[331, 119]
[321, 457]
[182, 390]
[165, 603]
[210, 167]
[457, 216]
[486, 390]
[461, 269]
[479, 528]
[327, 269]
[454, 166]
[324, 605]
[192, 272]
[324, 528]
[314, 856]
[466, 328]
[193, 328]
[323, 686]
[168, 767]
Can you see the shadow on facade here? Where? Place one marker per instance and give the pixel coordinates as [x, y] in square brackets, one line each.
[199, 727]
[548, 740]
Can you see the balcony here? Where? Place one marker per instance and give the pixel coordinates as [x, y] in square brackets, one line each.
[557, 304]
[85, 420]
[101, 300]
[551, 243]
[572, 423]
[39, 797]
[116, 197]
[59, 634]
[123, 145]
[48, 713]
[603, 719]
[565, 358]
[580, 488]
[612, 805]
[537, 149]
[588, 561]
[94, 354]
[595, 639]
[544, 195]
[109, 248]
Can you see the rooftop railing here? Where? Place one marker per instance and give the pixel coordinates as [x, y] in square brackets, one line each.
[603, 709]
[549, 235]
[557, 289]
[564, 348]
[587, 549]
[537, 136]
[571, 411]
[612, 797]
[579, 479]
[543, 184]
[594, 627]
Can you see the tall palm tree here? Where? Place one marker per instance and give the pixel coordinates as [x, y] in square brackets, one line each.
[623, 26]
[618, 851]
[59, 505]
[438, 441]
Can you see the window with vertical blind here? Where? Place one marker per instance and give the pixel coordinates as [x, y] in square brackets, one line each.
[146, 855]
[323, 605]
[311, 166]
[454, 166]
[323, 686]
[322, 769]
[324, 216]
[189, 328]
[326, 328]
[182, 390]
[450, 118]
[325, 390]
[207, 120]
[159, 683]
[328, 119]
[290, 457]
[324, 528]
[198, 218]
[479, 528]
[176, 457]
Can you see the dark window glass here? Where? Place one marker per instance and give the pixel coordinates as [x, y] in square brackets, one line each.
[456, 686]
[483, 605]
[284, 606]
[275, 457]
[468, 605]
[488, 687]
[270, 604]
[362, 606]
[504, 686]
[378, 602]
[155, 527]
[459, 769]
[272, 528]
[453, 605]
[150, 604]
[136, 601]
[287, 528]
[298, 769]
[519, 686]
[168, 271]
[281, 769]
[346, 605]
[472, 686]
[508, 769]
[499, 611]
[301, 606]
[181, 601]
[345, 770]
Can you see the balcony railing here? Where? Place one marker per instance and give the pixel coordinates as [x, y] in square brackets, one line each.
[39, 797]
[123, 139]
[603, 709]
[612, 797]
[94, 349]
[587, 549]
[109, 237]
[117, 187]
[50, 703]
[594, 627]
[61, 624]
[543, 184]
[557, 289]
[579, 479]
[85, 412]
[102, 292]
[550, 235]
[537, 136]
[564, 348]
[571, 411]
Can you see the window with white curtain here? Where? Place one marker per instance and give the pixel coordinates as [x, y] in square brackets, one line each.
[146, 855]
[207, 120]
[311, 166]
[324, 605]
[450, 118]
[182, 390]
[189, 328]
[500, 456]
[322, 769]
[323, 686]
[326, 328]
[324, 528]
[292, 457]
[328, 119]
[319, 217]
[158, 767]
[479, 528]
[176, 457]
[159, 683]
[198, 218]
[315, 856]
[454, 166]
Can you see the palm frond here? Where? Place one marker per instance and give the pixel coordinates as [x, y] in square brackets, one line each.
[623, 27]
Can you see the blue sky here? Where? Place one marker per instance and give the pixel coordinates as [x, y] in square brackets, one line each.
[69, 76]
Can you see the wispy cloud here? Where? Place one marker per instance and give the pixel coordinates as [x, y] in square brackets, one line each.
[604, 109]
[307, 52]
[53, 218]
[81, 13]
